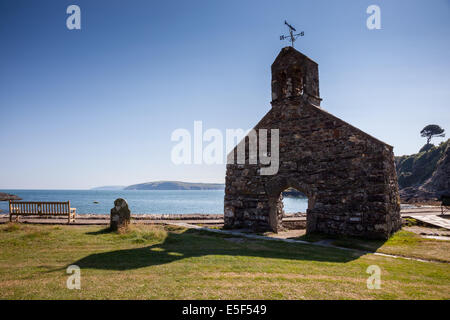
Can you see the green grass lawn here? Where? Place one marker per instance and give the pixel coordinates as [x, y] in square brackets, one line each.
[402, 243]
[155, 262]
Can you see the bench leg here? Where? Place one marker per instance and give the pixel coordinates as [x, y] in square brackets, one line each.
[71, 217]
[10, 217]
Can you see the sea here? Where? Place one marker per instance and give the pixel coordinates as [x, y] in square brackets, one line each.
[142, 201]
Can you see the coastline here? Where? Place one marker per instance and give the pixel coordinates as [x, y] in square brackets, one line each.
[194, 218]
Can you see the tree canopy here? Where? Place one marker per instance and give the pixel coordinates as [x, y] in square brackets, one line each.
[431, 131]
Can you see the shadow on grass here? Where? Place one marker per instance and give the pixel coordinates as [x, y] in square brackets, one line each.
[370, 245]
[101, 231]
[192, 243]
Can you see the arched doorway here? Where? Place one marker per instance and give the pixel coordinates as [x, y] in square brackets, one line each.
[295, 206]
[275, 189]
[295, 202]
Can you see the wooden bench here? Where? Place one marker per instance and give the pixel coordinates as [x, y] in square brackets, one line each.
[34, 208]
[445, 204]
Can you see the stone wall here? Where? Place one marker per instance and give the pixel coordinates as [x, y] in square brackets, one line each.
[348, 176]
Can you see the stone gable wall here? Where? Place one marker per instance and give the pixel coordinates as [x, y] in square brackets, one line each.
[348, 176]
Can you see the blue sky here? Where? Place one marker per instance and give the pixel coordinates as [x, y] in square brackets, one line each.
[97, 106]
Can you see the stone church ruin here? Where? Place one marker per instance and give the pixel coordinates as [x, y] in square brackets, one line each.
[348, 176]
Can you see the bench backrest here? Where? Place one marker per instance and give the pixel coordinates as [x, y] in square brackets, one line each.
[35, 208]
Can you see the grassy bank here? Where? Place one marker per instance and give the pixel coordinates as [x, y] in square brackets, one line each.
[403, 243]
[155, 262]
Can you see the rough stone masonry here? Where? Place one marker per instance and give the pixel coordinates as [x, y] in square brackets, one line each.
[120, 215]
[348, 176]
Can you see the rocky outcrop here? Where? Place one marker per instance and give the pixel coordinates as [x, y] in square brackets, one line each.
[7, 196]
[425, 176]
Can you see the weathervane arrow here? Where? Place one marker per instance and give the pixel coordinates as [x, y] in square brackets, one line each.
[292, 37]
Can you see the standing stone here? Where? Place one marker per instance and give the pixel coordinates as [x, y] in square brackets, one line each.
[120, 215]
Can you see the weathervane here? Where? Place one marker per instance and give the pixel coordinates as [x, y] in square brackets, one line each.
[292, 37]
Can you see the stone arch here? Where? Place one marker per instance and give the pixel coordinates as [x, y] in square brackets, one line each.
[274, 189]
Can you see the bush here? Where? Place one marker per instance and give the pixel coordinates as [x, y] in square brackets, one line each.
[426, 147]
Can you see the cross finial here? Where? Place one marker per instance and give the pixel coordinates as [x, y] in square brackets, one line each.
[292, 37]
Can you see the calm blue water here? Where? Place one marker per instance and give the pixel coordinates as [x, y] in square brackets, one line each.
[141, 201]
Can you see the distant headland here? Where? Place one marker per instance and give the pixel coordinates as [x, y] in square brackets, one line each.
[166, 185]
